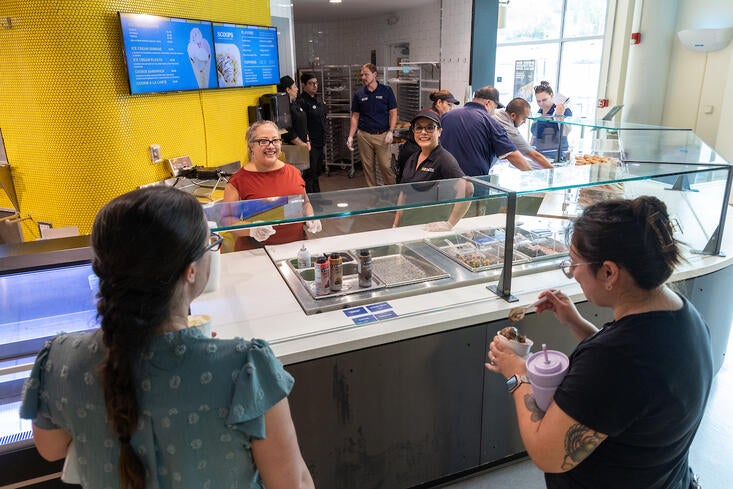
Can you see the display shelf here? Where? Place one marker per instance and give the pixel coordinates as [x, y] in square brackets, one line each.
[412, 83]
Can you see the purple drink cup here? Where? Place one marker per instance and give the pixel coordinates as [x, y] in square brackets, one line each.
[545, 370]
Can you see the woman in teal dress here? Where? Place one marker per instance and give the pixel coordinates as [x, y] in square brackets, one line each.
[147, 401]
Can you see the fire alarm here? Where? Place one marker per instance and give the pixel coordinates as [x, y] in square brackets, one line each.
[636, 38]
[602, 102]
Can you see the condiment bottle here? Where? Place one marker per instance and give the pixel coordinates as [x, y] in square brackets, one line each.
[337, 271]
[365, 268]
[322, 272]
[304, 257]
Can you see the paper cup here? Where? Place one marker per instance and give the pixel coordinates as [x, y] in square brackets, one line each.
[214, 272]
[521, 349]
[201, 321]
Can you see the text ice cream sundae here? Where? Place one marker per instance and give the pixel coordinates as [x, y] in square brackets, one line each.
[199, 52]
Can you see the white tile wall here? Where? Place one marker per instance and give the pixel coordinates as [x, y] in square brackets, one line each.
[456, 47]
[345, 43]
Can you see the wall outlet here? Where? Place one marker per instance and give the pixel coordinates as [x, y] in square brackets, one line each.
[42, 226]
[155, 153]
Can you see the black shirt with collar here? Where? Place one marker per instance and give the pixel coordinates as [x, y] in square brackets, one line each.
[439, 165]
[315, 111]
[300, 124]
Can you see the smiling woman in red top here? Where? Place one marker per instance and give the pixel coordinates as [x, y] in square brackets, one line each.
[266, 176]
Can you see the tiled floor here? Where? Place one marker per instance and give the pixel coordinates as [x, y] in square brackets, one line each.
[712, 450]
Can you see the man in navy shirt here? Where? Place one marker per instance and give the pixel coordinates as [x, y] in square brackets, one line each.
[374, 114]
[475, 139]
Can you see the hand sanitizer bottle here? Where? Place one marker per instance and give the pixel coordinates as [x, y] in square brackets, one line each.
[304, 257]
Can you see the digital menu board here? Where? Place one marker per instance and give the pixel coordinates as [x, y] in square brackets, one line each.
[167, 54]
[246, 55]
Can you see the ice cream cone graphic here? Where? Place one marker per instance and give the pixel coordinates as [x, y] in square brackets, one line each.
[199, 52]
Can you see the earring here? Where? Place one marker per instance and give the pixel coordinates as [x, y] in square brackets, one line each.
[609, 287]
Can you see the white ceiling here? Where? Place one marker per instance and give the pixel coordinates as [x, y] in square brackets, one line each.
[306, 11]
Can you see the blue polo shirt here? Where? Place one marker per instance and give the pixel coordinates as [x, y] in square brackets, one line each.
[474, 138]
[373, 108]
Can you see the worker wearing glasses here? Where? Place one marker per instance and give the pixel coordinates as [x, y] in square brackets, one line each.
[627, 410]
[430, 164]
[266, 176]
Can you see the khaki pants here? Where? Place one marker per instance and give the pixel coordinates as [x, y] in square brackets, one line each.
[373, 150]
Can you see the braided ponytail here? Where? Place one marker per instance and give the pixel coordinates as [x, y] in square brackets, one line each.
[142, 241]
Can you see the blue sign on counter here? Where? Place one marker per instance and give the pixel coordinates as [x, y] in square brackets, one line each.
[364, 319]
[361, 315]
[386, 314]
[380, 306]
[355, 311]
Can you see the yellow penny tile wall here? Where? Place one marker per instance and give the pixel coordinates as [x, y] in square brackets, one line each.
[74, 136]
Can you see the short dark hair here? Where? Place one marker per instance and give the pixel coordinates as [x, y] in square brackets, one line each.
[285, 83]
[517, 106]
[635, 234]
[307, 75]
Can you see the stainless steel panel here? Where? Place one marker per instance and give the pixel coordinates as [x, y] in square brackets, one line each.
[392, 416]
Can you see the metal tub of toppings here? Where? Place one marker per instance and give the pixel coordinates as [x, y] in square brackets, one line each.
[350, 280]
[397, 265]
[539, 243]
[475, 256]
[541, 248]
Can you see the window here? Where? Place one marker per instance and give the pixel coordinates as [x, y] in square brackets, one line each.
[560, 41]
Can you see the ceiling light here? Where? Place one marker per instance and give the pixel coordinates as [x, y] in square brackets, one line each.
[334, 1]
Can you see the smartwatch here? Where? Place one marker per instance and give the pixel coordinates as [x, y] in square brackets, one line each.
[513, 382]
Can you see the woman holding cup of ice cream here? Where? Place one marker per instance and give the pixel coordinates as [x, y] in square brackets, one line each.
[147, 400]
[635, 391]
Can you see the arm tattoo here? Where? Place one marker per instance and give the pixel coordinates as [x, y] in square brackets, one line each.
[536, 413]
[580, 441]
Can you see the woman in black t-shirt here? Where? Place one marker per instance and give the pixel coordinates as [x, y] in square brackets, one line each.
[625, 414]
[431, 163]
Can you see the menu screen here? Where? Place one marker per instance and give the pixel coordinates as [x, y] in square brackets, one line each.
[246, 55]
[167, 54]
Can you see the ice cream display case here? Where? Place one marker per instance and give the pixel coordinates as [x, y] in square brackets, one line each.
[600, 141]
[46, 287]
[516, 223]
[367, 359]
[421, 317]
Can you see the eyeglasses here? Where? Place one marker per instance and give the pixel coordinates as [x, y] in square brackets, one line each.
[215, 242]
[312, 82]
[428, 129]
[266, 142]
[567, 266]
